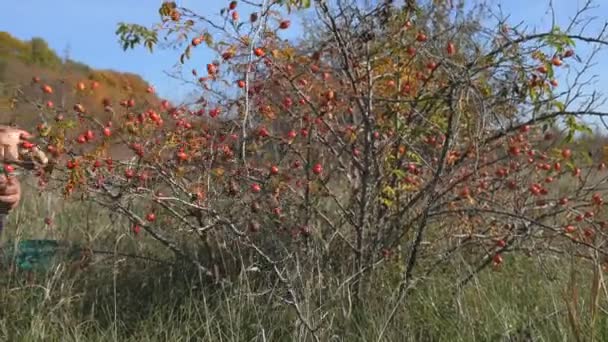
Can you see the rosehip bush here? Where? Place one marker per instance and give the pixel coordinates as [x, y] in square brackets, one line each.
[368, 153]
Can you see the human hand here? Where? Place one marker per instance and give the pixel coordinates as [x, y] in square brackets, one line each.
[10, 141]
[12, 150]
[10, 193]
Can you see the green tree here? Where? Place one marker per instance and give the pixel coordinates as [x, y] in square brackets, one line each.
[42, 55]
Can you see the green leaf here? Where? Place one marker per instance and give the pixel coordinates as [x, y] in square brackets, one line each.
[399, 173]
[533, 93]
[571, 41]
[587, 158]
[388, 191]
[208, 39]
[550, 71]
[150, 45]
[574, 126]
[559, 105]
[570, 136]
[413, 156]
[570, 165]
[386, 202]
[69, 124]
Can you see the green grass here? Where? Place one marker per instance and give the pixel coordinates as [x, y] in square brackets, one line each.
[126, 299]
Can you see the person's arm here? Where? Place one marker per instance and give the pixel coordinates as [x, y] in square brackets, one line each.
[11, 140]
[10, 194]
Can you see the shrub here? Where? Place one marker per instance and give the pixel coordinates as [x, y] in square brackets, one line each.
[365, 158]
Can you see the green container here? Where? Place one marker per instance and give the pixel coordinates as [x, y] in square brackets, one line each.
[39, 255]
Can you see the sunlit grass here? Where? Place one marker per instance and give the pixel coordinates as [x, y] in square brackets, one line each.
[127, 299]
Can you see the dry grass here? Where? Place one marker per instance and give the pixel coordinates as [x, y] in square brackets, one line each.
[551, 298]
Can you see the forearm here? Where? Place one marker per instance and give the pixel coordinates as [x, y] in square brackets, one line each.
[4, 209]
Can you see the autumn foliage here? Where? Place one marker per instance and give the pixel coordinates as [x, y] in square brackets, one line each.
[395, 139]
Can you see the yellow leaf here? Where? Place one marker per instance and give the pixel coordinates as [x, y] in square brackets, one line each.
[219, 172]
[386, 202]
[605, 152]
[288, 52]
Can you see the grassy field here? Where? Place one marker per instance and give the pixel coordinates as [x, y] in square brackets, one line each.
[122, 298]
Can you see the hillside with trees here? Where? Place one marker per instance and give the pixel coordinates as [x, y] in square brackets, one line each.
[27, 66]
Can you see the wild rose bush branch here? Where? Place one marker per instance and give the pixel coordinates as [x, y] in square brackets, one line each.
[397, 135]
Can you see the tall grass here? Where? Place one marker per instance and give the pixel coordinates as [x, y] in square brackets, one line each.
[118, 298]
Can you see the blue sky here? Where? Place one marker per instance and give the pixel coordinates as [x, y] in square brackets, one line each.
[88, 28]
